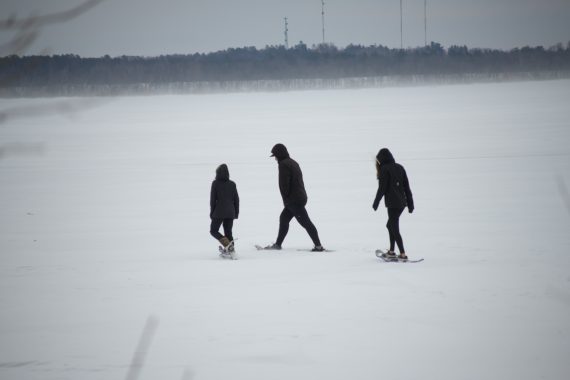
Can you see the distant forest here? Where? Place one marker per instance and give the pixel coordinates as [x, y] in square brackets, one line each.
[276, 63]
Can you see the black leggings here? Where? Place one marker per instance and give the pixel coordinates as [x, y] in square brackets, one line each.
[215, 226]
[300, 213]
[393, 227]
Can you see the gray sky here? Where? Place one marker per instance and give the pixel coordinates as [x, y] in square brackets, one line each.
[154, 27]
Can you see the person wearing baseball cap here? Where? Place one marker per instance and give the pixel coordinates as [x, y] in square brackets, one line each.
[294, 197]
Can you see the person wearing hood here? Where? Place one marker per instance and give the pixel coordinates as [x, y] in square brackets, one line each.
[224, 206]
[294, 197]
[394, 186]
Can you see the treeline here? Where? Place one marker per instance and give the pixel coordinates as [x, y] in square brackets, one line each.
[324, 61]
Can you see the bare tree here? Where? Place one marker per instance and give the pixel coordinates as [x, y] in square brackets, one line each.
[27, 30]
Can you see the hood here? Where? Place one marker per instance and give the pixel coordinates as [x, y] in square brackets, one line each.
[279, 151]
[385, 157]
[222, 172]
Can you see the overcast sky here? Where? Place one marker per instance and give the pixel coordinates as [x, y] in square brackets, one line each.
[155, 27]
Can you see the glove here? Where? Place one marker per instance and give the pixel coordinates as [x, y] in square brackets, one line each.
[375, 206]
[411, 209]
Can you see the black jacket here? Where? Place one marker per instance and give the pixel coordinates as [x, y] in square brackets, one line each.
[393, 183]
[291, 183]
[224, 199]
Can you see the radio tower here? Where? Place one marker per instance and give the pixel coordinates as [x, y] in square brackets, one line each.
[286, 35]
[425, 22]
[401, 28]
[323, 18]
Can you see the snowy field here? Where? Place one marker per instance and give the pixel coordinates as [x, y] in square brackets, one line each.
[105, 225]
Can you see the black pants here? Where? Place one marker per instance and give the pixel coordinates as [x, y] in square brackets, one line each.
[300, 213]
[393, 226]
[215, 226]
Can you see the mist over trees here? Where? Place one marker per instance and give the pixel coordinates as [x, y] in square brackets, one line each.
[276, 63]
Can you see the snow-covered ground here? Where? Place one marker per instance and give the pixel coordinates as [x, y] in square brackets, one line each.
[106, 225]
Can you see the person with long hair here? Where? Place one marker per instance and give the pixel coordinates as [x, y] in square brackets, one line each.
[394, 187]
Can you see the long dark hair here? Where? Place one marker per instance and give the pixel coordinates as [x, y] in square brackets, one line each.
[377, 169]
[383, 157]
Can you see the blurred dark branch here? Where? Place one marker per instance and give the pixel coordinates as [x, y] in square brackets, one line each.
[27, 31]
[62, 107]
[37, 22]
[23, 39]
[145, 341]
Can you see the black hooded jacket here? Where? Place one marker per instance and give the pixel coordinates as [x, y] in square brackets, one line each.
[291, 183]
[224, 199]
[393, 183]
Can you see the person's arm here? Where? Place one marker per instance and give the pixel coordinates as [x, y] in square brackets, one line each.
[213, 198]
[382, 188]
[236, 201]
[284, 181]
[409, 197]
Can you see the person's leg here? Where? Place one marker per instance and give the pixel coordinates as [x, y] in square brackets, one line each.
[300, 213]
[390, 233]
[214, 228]
[228, 225]
[397, 235]
[284, 220]
[394, 228]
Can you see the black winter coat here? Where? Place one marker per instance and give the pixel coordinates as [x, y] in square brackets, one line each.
[291, 183]
[393, 184]
[224, 199]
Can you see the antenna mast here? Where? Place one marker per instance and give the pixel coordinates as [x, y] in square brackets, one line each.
[286, 35]
[401, 28]
[425, 22]
[323, 18]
